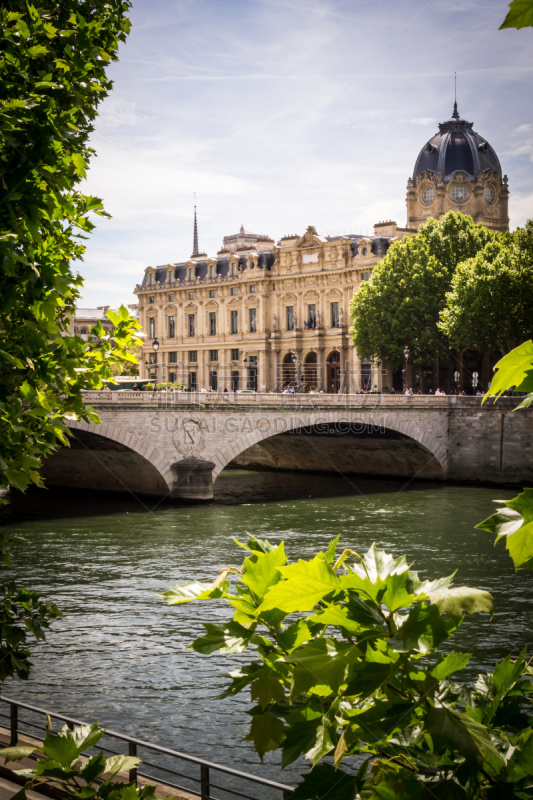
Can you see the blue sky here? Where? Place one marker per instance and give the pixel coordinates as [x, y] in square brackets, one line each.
[285, 113]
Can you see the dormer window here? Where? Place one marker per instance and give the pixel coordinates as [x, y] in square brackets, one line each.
[151, 279]
[365, 251]
[428, 195]
[191, 274]
[170, 276]
[488, 194]
[212, 271]
[233, 270]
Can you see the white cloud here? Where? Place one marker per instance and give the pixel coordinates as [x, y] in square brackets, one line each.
[424, 121]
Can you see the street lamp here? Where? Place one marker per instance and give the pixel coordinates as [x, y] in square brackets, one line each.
[475, 376]
[406, 356]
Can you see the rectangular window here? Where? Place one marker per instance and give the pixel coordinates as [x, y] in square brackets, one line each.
[366, 375]
[252, 288]
[151, 299]
[334, 315]
[234, 381]
[211, 270]
[170, 276]
[171, 327]
[233, 291]
[213, 380]
[151, 326]
[234, 354]
[193, 356]
[171, 298]
[365, 276]
[191, 274]
[212, 323]
[211, 292]
[191, 295]
[290, 318]
[233, 270]
[234, 322]
[213, 355]
[191, 324]
[173, 358]
[253, 320]
[192, 381]
[151, 281]
[172, 377]
[311, 316]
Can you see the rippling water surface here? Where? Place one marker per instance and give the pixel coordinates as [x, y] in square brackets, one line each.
[119, 654]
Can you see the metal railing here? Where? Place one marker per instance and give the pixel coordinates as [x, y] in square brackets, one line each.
[202, 782]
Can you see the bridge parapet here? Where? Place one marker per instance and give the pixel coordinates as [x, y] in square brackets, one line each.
[207, 400]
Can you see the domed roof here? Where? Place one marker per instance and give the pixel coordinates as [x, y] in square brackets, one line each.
[456, 148]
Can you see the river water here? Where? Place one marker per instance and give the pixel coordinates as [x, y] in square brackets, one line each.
[119, 654]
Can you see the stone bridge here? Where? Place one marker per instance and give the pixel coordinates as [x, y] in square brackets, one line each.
[174, 445]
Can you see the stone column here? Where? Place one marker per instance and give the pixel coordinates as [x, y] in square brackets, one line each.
[193, 479]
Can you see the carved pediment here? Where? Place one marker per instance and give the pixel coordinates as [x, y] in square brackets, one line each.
[331, 292]
[191, 307]
[364, 244]
[309, 239]
[151, 310]
[289, 296]
[211, 303]
[171, 307]
[234, 302]
[311, 293]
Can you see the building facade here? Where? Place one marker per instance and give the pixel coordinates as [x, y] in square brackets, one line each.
[263, 316]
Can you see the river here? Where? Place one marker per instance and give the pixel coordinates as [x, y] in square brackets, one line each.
[119, 654]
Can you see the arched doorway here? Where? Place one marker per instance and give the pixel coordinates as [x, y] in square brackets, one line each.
[288, 372]
[310, 372]
[333, 372]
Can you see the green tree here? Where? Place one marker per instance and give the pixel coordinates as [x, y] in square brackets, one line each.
[401, 303]
[345, 665]
[53, 62]
[489, 305]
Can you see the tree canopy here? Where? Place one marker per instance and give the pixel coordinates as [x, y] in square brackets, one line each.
[489, 305]
[402, 302]
[53, 62]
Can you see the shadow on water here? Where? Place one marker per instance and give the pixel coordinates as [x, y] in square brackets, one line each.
[233, 487]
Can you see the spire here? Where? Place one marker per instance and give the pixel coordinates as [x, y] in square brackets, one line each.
[195, 248]
[455, 114]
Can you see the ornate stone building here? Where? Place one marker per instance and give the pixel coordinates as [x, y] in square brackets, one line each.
[458, 170]
[262, 316]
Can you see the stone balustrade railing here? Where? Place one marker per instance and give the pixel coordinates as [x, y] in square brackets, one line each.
[278, 400]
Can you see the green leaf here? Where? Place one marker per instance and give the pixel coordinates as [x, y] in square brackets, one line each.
[230, 638]
[261, 571]
[367, 677]
[185, 593]
[16, 753]
[332, 548]
[512, 370]
[321, 664]
[379, 564]
[326, 783]
[94, 767]
[305, 584]
[515, 523]
[293, 636]
[449, 728]
[267, 689]
[61, 748]
[120, 763]
[423, 631]
[325, 741]
[449, 664]
[520, 15]
[266, 733]
[336, 615]
[456, 600]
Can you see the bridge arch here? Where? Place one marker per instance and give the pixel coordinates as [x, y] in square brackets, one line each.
[104, 457]
[430, 448]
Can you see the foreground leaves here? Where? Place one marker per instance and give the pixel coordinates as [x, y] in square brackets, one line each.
[520, 15]
[62, 769]
[345, 665]
[514, 524]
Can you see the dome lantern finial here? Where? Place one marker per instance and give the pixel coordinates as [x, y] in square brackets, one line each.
[455, 114]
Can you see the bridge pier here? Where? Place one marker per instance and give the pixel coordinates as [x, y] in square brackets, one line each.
[193, 479]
